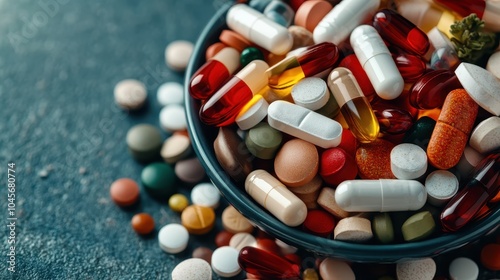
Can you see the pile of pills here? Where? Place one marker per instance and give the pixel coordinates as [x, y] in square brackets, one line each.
[329, 143]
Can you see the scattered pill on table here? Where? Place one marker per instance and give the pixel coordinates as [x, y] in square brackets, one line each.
[463, 269]
[189, 170]
[144, 142]
[233, 221]
[178, 202]
[311, 93]
[242, 239]
[170, 93]
[159, 180]
[225, 261]
[130, 94]
[143, 223]
[192, 269]
[124, 192]
[173, 238]
[173, 118]
[204, 253]
[205, 194]
[177, 54]
[198, 219]
[176, 147]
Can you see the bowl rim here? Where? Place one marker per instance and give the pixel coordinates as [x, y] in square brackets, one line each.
[358, 252]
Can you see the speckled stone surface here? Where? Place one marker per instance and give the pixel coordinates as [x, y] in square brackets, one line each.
[59, 63]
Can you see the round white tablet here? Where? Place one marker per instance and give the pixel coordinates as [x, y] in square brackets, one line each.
[173, 238]
[205, 194]
[311, 93]
[225, 261]
[242, 239]
[177, 54]
[192, 269]
[130, 94]
[441, 186]
[481, 85]
[422, 269]
[170, 93]
[463, 269]
[408, 161]
[486, 136]
[173, 118]
[254, 114]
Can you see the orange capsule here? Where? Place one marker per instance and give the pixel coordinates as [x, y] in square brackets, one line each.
[452, 130]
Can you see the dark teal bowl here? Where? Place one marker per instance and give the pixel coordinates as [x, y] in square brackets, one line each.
[202, 140]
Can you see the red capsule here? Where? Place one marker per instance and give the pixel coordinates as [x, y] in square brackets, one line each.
[351, 62]
[465, 7]
[267, 265]
[319, 222]
[212, 75]
[398, 31]
[410, 66]
[467, 203]
[431, 89]
[393, 121]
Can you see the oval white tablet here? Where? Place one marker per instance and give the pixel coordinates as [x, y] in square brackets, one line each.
[242, 239]
[311, 93]
[173, 118]
[130, 94]
[205, 194]
[225, 261]
[173, 238]
[170, 93]
[486, 135]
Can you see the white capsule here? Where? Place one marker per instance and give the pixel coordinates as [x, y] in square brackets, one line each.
[377, 62]
[382, 195]
[336, 26]
[257, 28]
[275, 197]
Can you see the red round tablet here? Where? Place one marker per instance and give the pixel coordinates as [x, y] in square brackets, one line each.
[319, 222]
[490, 256]
[124, 192]
[222, 238]
[337, 166]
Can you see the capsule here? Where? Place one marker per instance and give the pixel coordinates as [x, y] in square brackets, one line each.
[267, 265]
[336, 26]
[313, 60]
[398, 31]
[480, 189]
[381, 195]
[354, 106]
[257, 28]
[393, 121]
[377, 62]
[279, 12]
[487, 10]
[411, 67]
[351, 62]
[453, 127]
[431, 89]
[212, 75]
[275, 197]
[222, 108]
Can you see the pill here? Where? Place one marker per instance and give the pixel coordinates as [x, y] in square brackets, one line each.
[143, 223]
[214, 49]
[124, 192]
[326, 200]
[382, 227]
[310, 13]
[259, 29]
[242, 239]
[337, 166]
[286, 248]
[393, 121]
[275, 197]
[204, 253]
[418, 226]
[311, 93]
[408, 161]
[490, 256]
[130, 94]
[336, 26]
[205, 194]
[304, 124]
[144, 142]
[469, 159]
[279, 12]
[463, 269]
[159, 180]
[452, 130]
[351, 62]
[319, 222]
[374, 160]
[249, 54]
[486, 135]
[431, 89]
[177, 54]
[296, 163]
[234, 40]
[267, 265]
[173, 238]
[189, 170]
[377, 62]
[170, 93]
[420, 132]
[335, 269]
[178, 202]
[331, 108]
[173, 118]
[310, 274]
[252, 113]
[234, 222]
[301, 37]
[223, 237]
[263, 141]
[441, 186]
[309, 192]
[232, 154]
[198, 219]
[493, 64]
[225, 261]
[175, 148]
[421, 269]
[356, 229]
[192, 269]
[481, 85]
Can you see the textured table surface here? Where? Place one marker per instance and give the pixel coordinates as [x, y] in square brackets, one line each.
[59, 62]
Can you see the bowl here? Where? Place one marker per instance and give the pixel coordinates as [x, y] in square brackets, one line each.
[202, 140]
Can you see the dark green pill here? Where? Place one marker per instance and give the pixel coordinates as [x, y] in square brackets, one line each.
[159, 180]
[144, 142]
[420, 132]
[250, 54]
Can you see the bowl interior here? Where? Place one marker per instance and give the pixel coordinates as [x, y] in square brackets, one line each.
[202, 140]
